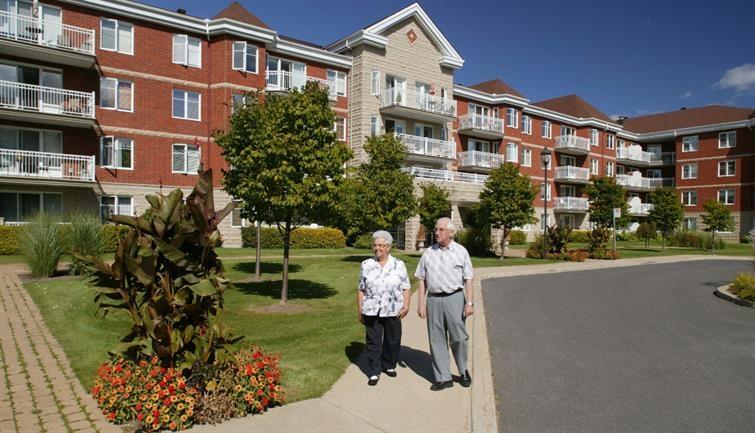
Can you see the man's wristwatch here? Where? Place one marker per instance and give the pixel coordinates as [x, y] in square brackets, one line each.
[470, 303]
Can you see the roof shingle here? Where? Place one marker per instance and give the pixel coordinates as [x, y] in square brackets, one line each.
[575, 106]
[688, 118]
[496, 87]
[239, 13]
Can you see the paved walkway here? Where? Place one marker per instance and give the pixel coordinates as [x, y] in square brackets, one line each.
[38, 390]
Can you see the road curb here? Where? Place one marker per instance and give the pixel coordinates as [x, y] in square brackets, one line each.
[723, 293]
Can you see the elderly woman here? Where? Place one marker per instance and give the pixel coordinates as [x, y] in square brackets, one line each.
[382, 301]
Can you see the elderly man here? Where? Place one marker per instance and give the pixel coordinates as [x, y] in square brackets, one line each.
[446, 299]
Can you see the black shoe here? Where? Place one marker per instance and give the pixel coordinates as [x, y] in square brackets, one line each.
[465, 380]
[373, 380]
[437, 386]
[391, 372]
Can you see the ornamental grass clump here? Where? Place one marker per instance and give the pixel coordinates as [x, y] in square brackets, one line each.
[85, 238]
[744, 286]
[42, 244]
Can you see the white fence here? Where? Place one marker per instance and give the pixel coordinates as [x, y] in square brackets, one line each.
[428, 146]
[572, 203]
[635, 153]
[474, 158]
[29, 97]
[46, 32]
[572, 142]
[287, 81]
[417, 100]
[43, 165]
[572, 173]
[481, 123]
[446, 175]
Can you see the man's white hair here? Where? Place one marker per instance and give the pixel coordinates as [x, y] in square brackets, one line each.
[384, 235]
[449, 224]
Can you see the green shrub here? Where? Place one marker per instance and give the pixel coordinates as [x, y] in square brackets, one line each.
[580, 236]
[706, 242]
[363, 241]
[685, 239]
[625, 235]
[111, 235]
[476, 241]
[744, 286]
[647, 232]
[517, 237]
[42, 244]
[84, 238]
[558, 239]
[301, 238]
[10, 240]
[535, 250]
[597, 242]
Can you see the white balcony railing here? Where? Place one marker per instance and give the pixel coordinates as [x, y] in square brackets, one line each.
[572, 203]
[446, 175]
[640, 209]
[564, 142]
[481, 123]
[287, 81]
[635, 153]
[29, 97]
[428, 146]
[634, 182]
[46, 32]
[43, 165]
[475, 158]
[572, 173]
[419, 101]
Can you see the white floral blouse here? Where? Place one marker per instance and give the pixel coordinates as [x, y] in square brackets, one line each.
[383, 287]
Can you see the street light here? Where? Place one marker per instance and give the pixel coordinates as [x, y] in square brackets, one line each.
[545, 157]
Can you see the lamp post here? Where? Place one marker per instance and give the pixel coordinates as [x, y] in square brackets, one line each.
[545, 157]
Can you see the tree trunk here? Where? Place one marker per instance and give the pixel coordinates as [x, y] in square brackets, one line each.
[257, 266]
[663, 243]
[503, 245]
[713, 241]
[286, 247]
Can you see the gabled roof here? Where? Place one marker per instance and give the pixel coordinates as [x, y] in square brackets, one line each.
[496, 87]
[239, 13]
[372, 35]
[687, 118]
[574, 106]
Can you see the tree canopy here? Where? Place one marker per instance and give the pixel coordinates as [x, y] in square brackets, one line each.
[667, 212]
[604, 195]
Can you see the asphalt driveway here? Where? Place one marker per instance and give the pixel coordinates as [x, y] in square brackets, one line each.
[638, 349]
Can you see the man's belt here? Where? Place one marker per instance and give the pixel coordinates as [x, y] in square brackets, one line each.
[443, 294]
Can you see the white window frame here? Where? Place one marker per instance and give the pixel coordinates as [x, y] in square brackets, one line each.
[610, 138]
[181, 45]
[339, 78]
[374, 125]
[609, 169]
[730, 163]
[515, 152]
[118, 24]
[526, 125]
[727, 196]
[375, 83]
[186, 159]
[546, 129]
[526, 157]
[186, 105]
[117, 204]
[691, 143]
[116, 96]
[549, 187]
[595, 166]
[245, 51]
[689, 198]
[512, 118]
[729, 139]
[335, 127]
[689, 171]
[115, 157]
[594, 137]
[686, 224]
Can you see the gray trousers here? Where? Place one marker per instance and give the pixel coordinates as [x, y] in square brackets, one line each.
[445, 325]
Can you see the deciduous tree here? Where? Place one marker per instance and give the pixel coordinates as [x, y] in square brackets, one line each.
[667, 212]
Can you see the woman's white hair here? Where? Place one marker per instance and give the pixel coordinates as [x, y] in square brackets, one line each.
[384, 235]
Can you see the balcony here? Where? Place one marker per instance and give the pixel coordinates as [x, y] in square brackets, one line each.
[415, 105]
[46, 40]
[636, 157]
[60, 107]
[635, 182]
[428, 149]
[640, 209]
[569, 174]
[285, 81]
[571, 205]
[572, 145]
[445, 175]
[25, 166]
[479, 161]
[481, 126]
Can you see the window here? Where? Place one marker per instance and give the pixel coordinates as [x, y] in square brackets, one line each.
[610, 140]
[690, 144]
[727, 139]
[545, 129]
[238, 100]
[548, 190]
[244, 57]
[21, 206]
[689, 171]
[512, 154]
[115, 205]
[186, 104]
[526, 124]
[512, 117]
[340, 128]
[187, 51]
[339, 78]
[594, 141]
[726, 168]
[527, 157]
[116, 35]
[726, 196]
[621, 143]
[689, 198]
[690, 224]
[375, 83]
[117, 152]
[237, 221]
[595, 167]
[186, 158]
[374, 125]
[609, 168]
[568, 130]
[116, 94]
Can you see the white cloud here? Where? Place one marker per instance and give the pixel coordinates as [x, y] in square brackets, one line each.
[686, 95]
[740, 78]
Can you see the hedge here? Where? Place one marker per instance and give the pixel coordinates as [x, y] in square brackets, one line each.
[10, 240]
[10, 237]
[301, 238]
[112, 234]
[517, 237]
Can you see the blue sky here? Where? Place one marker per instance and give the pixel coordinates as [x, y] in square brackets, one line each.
[630, 57]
